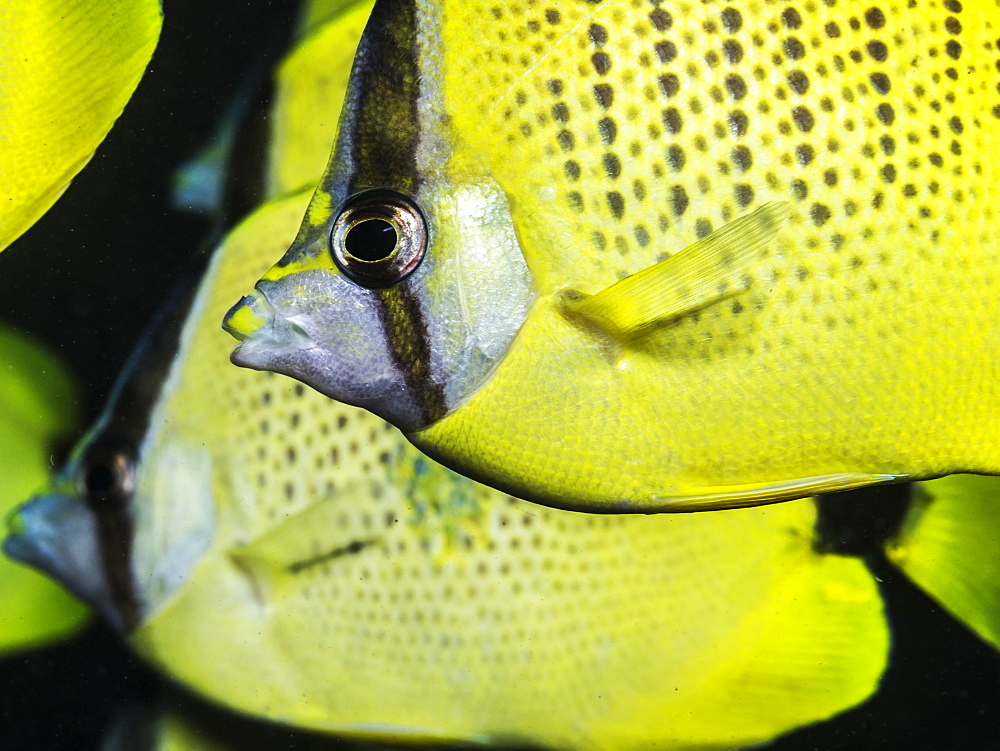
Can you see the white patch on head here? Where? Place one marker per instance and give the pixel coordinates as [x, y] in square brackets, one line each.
[433, 150]
[483, 218]
[479, 289]
[175, 518]
[174, 503]
[474, 287]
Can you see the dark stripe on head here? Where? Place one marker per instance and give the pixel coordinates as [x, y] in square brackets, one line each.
[114, 539]
[409, 346]
[385, 83]
[125, 426]
[380, 133]
[141, 381]
[384, 137]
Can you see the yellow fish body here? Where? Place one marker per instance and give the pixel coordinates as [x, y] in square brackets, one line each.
[298, 560]
[492, 259]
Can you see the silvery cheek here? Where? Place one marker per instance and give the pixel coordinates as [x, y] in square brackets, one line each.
[329, 333]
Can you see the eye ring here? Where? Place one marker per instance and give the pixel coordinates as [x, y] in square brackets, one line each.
[379, 238]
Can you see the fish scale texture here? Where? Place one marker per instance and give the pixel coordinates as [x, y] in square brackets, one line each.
[353, 585]
[624, 131]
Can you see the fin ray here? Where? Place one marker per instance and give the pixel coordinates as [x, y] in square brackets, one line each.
[273, 560]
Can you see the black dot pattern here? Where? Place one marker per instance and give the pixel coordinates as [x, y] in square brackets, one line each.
[394, 572]
[386, 592]
[874, 120]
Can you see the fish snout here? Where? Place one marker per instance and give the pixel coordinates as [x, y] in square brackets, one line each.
[37, 529]
[57, 534]
[252, 313]
[266, 336]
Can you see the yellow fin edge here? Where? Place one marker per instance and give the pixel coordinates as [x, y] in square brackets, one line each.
[741, 496]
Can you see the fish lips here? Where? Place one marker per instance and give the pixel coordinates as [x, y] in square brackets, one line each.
[57, 534]
[265, 338]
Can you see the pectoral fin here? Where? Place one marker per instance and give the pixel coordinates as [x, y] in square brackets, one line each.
[713, 268]
[306, 540]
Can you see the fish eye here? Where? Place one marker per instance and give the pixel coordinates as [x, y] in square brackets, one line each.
[379, 238]
[106, 475]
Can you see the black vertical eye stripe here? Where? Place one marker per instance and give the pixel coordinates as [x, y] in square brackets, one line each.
[384, 123]
[115, 531]
[410, 349]
[384, 138]
[130, 407]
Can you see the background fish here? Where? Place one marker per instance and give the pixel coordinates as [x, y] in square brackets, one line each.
[946, 549]
[296, 559]
[501, 168]
[37, 411]
[939, 687]
[67, 68]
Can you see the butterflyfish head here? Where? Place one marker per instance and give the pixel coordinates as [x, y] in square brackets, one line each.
[78, 530]
[406, 283]
[129, 514]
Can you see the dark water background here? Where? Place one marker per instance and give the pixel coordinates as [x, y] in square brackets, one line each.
[90, 274]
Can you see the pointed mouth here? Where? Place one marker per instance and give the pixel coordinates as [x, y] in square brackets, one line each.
[33, 530]
[251, 314]
[14, 525]
[57, 534]
[265, 336]
[16, 543]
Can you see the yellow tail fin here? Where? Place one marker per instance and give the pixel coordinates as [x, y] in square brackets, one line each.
[949, 545]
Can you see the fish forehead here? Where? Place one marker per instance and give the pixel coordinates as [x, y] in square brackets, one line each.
[380, 135]
[637, 127]
[379, 131]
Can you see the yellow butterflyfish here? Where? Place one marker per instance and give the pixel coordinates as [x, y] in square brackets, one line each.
[651, 256]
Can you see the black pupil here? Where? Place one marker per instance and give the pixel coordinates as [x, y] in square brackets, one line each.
[100, 479]
[371, 240]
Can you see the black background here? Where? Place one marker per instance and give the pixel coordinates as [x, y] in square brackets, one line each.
[90, 274]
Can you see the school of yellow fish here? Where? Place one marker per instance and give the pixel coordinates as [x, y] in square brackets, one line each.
[296, 559]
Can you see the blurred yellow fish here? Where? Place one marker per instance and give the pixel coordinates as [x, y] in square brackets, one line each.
[67, 68]
[647, 256]
[296, 559]
[949, 547]
[37, 410]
